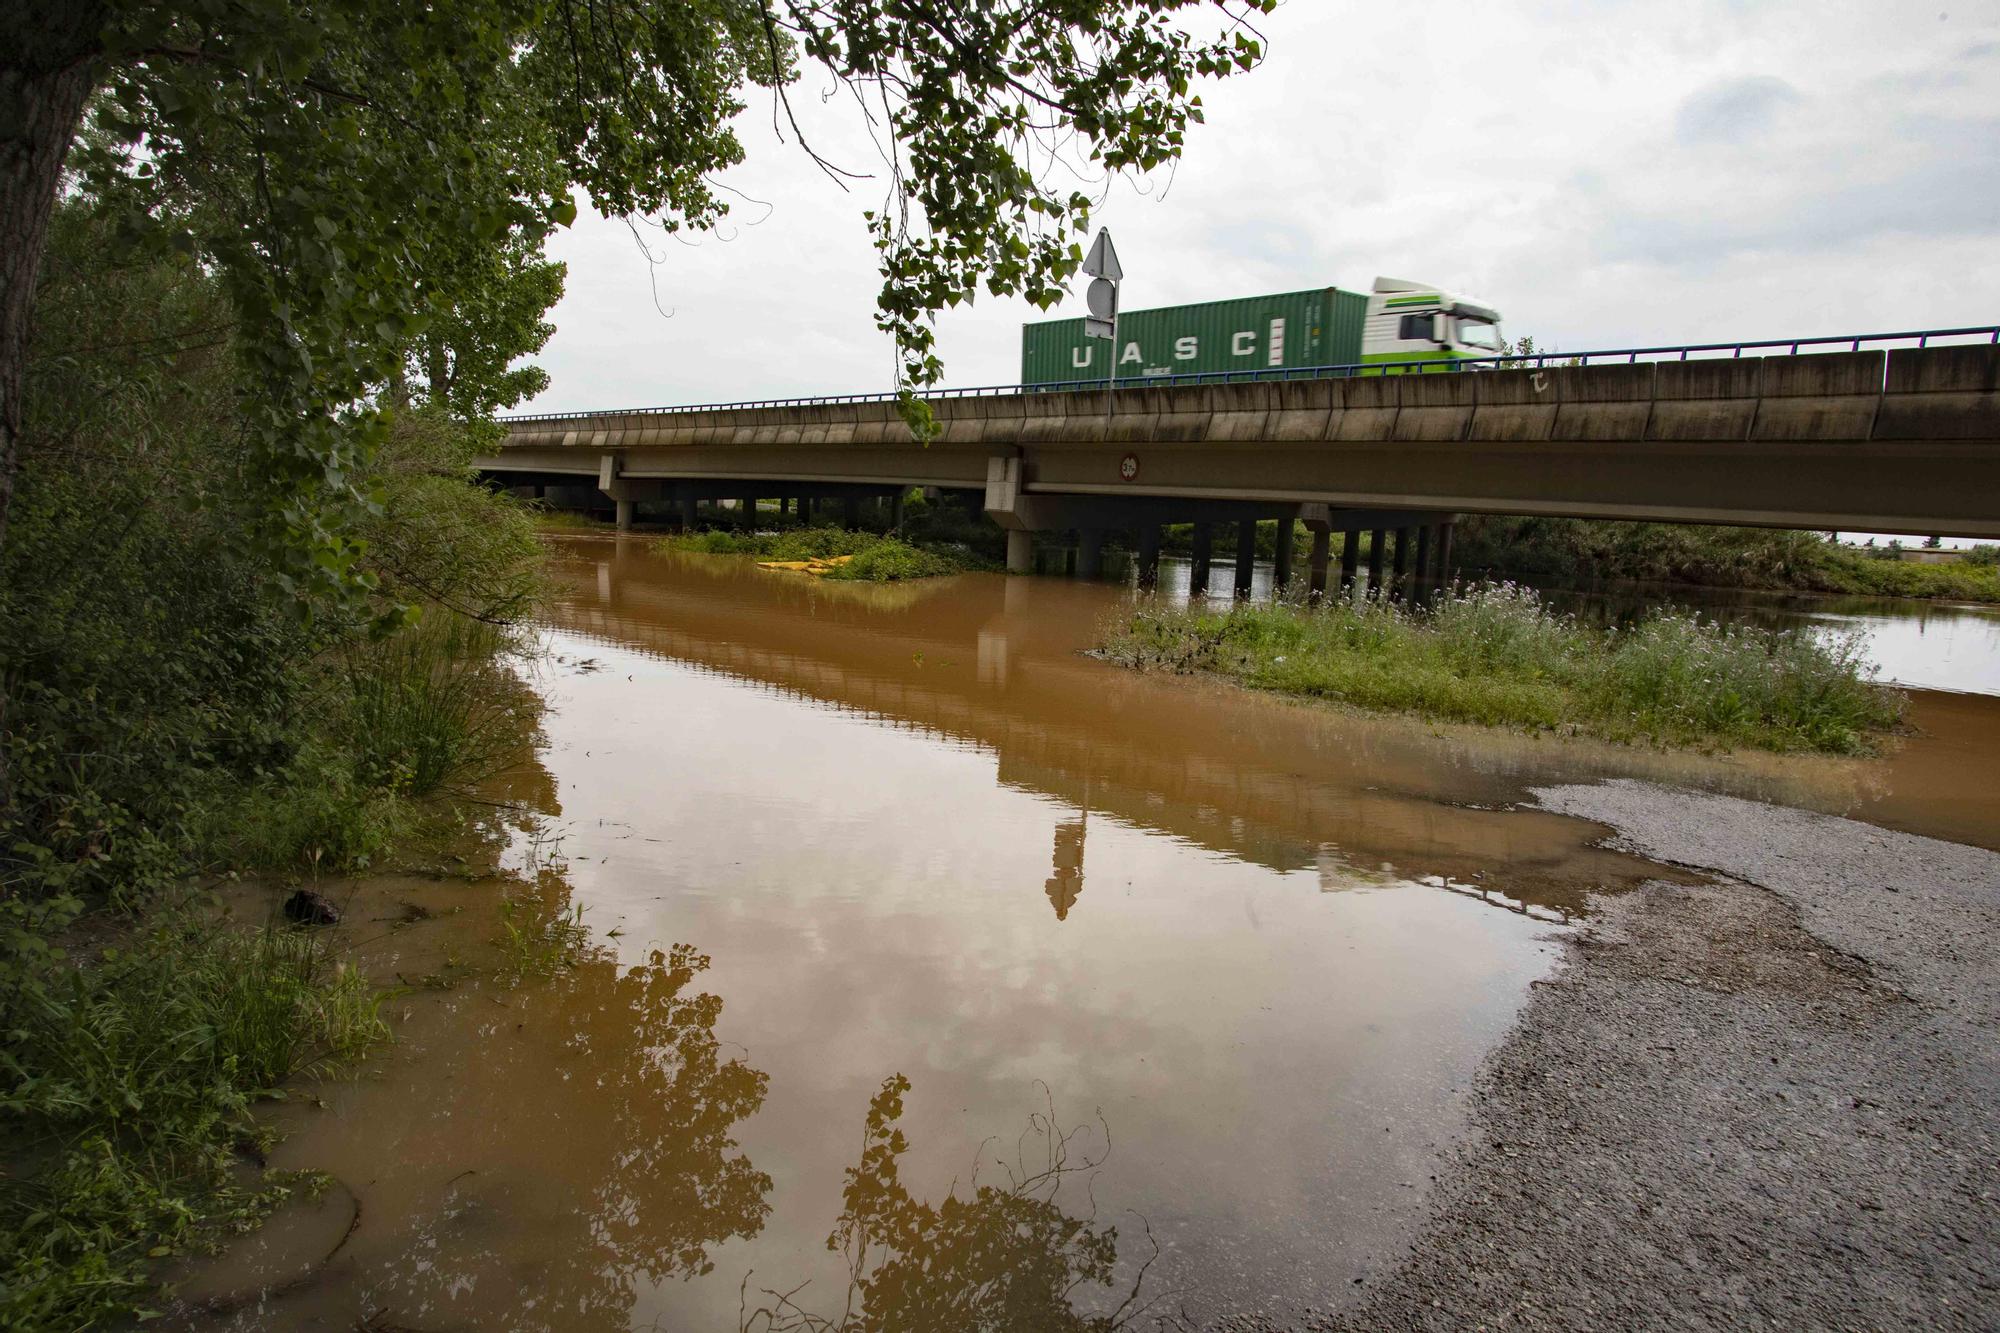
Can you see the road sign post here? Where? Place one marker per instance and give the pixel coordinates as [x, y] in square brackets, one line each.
[1102, 322]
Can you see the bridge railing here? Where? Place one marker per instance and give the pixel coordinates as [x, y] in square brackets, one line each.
[1852, 342]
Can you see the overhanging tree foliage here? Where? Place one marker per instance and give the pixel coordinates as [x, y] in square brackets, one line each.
[331, 162]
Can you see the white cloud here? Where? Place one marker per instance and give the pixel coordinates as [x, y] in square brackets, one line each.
[1608, 174]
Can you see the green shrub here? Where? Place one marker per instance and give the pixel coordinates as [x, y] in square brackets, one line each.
[889, 560]
[1496, 655]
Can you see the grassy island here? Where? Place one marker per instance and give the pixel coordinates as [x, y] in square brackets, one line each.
[1495, 654]
[839, 554]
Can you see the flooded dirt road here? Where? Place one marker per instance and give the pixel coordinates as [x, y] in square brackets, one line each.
[1188, 985]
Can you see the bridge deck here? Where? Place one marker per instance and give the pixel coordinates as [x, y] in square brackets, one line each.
[1903, 440]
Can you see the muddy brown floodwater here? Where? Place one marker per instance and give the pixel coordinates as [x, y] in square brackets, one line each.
[1188, 985]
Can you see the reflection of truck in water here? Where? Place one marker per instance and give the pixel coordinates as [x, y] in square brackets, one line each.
[1396, 322]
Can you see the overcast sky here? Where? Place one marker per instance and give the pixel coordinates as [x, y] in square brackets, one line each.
[1605, 174]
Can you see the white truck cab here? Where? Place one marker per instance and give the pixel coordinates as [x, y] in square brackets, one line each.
[1411, 321]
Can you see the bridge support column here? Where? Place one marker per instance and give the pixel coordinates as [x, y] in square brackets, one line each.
[749, 503]
[1020, 551]
[850, 510]
[896, 511]
[1399, 577]
[805, 508]
[1246, 555]
[690, 513]
[1444, 550]
[1149, 556]
[1090, 553]
[623, 492]
[1425, 549]
[1322, 556]
[1378, 541]
[1281, 576]
[1204, 551]
[1350, 557]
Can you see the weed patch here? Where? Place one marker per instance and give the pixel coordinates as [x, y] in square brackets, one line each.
[130, 1082]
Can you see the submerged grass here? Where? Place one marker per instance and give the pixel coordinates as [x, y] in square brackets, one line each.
[865, 557]
[1495, 654]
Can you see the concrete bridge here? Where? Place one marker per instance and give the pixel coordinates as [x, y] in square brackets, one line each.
[1903, 439]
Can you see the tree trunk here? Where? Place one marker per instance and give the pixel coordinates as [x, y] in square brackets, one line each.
[440, 370]
[49, 62]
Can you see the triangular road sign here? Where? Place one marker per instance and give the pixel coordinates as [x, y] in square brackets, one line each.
[1102, 262]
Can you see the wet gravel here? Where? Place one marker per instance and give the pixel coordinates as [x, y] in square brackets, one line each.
[1767, 1100]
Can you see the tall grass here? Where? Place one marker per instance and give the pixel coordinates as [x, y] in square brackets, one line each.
[431, 706]
[1495, 654]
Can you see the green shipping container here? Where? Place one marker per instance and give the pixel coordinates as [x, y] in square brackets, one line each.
[1321, 327]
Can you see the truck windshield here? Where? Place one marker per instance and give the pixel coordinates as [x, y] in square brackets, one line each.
[1482, 333]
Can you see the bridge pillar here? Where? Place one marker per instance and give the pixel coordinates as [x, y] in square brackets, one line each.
[1246, 555]
[1020, 551]
[1378, 541]
[850, 510]
[1425, 549]
[1444, 550]
[749, 504]
[1399, 576]
[1204, 551]
[1149, 556]
[1287, 534]
[805, 508]
[1090, 553]
[896, 511]
[626, 493]
[690, 517]
[1350, 557]
[1322, 556]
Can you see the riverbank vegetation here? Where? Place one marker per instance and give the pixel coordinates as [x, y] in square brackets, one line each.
[1496, 655]
[839, 554]
[1571, 553]
[175, 711]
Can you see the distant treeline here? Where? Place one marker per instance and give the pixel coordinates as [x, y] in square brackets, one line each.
[1570, 552]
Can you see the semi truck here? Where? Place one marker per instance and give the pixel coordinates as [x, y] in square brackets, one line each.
[1396, 322]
